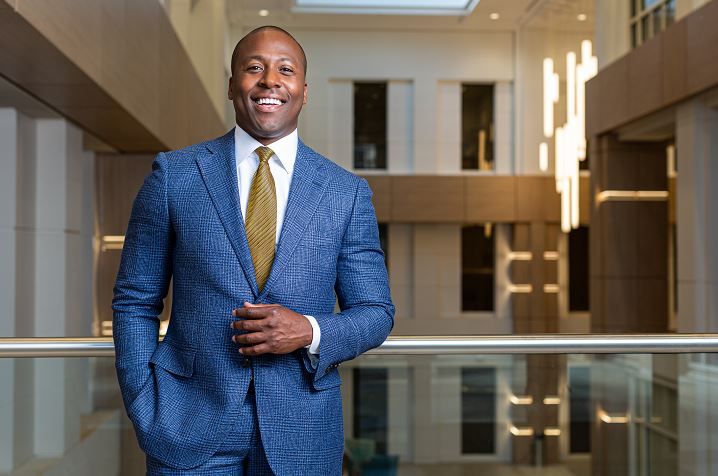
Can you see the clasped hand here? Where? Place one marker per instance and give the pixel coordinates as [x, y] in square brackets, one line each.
[271, 329]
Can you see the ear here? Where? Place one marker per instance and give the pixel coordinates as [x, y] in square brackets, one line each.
[230, 96]
[304, 101]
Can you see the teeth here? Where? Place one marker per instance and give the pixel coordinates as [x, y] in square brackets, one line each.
[276, 102]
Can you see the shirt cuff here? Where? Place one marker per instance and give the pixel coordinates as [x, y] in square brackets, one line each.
[313, 348]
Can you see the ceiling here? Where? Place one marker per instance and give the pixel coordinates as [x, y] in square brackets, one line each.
[559, 15]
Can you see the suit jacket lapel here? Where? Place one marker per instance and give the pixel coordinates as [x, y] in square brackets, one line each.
[219, 172]
[305, 193]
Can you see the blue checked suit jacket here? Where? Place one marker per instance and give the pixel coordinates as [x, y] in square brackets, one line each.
[183, 394]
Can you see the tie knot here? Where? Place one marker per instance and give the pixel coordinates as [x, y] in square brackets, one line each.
[264, 153]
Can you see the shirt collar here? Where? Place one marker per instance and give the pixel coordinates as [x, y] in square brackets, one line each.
[285, 149]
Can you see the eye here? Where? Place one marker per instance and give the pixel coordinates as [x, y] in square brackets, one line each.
[286, 70]
[254, 67]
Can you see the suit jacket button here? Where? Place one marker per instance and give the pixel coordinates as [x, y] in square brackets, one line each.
[246, 362]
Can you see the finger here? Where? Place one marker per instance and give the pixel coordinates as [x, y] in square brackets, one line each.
[249, 304]
[252, 338]
[248, 325]
[254, 312]
[258, 349]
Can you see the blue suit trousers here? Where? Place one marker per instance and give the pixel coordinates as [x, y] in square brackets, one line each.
[240, 454]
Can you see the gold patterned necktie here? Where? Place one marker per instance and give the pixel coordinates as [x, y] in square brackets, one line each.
[261, 222]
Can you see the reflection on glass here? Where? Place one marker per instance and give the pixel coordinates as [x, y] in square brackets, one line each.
[477, 127]
[478, 410]
[579, 389]
[370, 125]
[416, 414]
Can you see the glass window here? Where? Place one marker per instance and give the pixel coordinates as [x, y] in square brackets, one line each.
[578, 268]
[650, 17]
[645, 28]
[477, 127]
[670, 12]
[657, 19]
[579, 390]
[371, 406]
[370, 125]
[477, 268]
[478, 410]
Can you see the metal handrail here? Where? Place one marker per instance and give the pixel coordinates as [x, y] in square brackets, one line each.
[426, 345]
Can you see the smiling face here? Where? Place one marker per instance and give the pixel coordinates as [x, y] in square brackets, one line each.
[268, 86]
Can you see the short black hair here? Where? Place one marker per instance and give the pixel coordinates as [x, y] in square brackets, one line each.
[263, 28]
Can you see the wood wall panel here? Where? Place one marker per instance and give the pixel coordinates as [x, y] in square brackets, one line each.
[114, 67]
[489, 199]
[460, 199]
[381, 186]
[437, 198]
[680, 62]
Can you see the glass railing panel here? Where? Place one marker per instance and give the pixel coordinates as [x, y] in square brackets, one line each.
[632, 414]
[576, 414]
[64, 416]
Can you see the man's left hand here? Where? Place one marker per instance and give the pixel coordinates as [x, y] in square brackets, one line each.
[271, 329]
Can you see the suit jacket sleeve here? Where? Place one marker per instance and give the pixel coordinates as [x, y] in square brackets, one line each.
[142, 282]
[362, 288]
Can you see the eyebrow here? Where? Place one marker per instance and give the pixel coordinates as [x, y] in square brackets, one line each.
[262, 58]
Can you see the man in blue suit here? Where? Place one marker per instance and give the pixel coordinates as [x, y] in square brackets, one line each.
[261, 236]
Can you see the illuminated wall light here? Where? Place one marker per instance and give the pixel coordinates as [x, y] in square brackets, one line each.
[519, 256]
[552, 431]
[494, 16]
[543, 156]
[521, 399]
[551, 400]
[523, 431]
[263, 13]
[606, 418]
[581, 17]
[671, 160]
[112, 242]
[550, 255]
[488, 229]
[520, 288]
[551, 288]
[632, 195]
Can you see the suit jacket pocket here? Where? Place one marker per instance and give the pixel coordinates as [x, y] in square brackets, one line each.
[329, 380]
[177, 365]
[176, 361]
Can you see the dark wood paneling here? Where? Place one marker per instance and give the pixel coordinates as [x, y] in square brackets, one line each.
[679, 63]
[460, 199]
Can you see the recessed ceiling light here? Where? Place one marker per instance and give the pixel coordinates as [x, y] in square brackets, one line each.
[494, 16]
[582, 17]
[263, 13]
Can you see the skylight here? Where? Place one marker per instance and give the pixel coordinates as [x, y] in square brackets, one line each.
[387, 7]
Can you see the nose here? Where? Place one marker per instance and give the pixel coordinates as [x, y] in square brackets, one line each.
[270, 78]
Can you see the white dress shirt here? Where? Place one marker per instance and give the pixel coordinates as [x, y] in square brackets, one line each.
[281, 164]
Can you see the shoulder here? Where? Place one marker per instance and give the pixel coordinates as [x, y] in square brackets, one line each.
[185, 156]
[338, 175]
